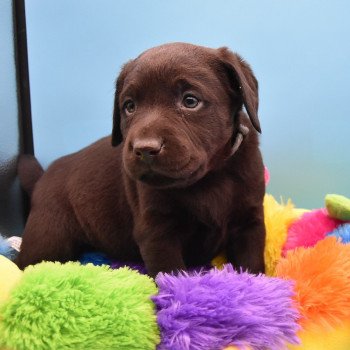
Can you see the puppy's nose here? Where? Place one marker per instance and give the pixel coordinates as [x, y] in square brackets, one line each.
[147, 149]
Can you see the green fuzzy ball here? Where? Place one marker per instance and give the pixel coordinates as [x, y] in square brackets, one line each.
[71, 306]
[338, 207]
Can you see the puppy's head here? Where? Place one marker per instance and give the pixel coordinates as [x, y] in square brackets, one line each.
[175, 109]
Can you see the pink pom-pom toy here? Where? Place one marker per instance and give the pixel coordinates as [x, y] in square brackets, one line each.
[309, 229]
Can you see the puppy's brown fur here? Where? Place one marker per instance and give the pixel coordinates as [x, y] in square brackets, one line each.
[170, 192]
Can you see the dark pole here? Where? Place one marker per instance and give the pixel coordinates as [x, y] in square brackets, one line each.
[23, 87]
[21, 55]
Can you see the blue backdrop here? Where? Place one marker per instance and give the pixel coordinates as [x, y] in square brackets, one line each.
[298, 49]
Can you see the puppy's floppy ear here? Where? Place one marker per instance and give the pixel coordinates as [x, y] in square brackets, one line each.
[244, 83]
[117, 136]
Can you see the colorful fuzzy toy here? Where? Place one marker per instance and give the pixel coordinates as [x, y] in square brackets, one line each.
[222, 307]
[5, 248]
[309, 229]
[71, 306]
[335, 338]
[92, 307]
[338, 207]
[342, 232]
[10, 276]
[278, 218]
[322, 282]
[74, 306]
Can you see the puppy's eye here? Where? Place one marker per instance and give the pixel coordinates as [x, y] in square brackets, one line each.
[190, 101]
[129, 106]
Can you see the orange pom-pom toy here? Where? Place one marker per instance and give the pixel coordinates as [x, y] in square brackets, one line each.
[322, 282]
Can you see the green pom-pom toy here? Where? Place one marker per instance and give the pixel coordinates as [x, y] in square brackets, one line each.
[338, 207]
[86, 308]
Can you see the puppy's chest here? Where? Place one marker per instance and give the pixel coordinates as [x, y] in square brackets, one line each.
[211, 206]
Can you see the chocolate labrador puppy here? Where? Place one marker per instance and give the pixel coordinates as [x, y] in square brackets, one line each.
[183, 182]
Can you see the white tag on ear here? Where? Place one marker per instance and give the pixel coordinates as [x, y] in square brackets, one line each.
[243, 131]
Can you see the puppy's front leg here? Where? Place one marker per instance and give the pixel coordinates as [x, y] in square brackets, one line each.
[159, 241]
[246, 242]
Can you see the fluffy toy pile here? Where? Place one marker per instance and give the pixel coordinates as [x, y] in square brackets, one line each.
[303, 301]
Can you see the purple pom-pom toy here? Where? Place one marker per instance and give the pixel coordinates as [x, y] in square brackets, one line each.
[222, 307]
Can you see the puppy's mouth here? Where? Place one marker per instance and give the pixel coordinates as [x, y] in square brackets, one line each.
[163, 171]
[157, 180]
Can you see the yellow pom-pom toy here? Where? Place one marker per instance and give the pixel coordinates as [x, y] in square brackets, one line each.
[10, 275]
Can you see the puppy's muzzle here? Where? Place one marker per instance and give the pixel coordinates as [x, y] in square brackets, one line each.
[147, 150]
